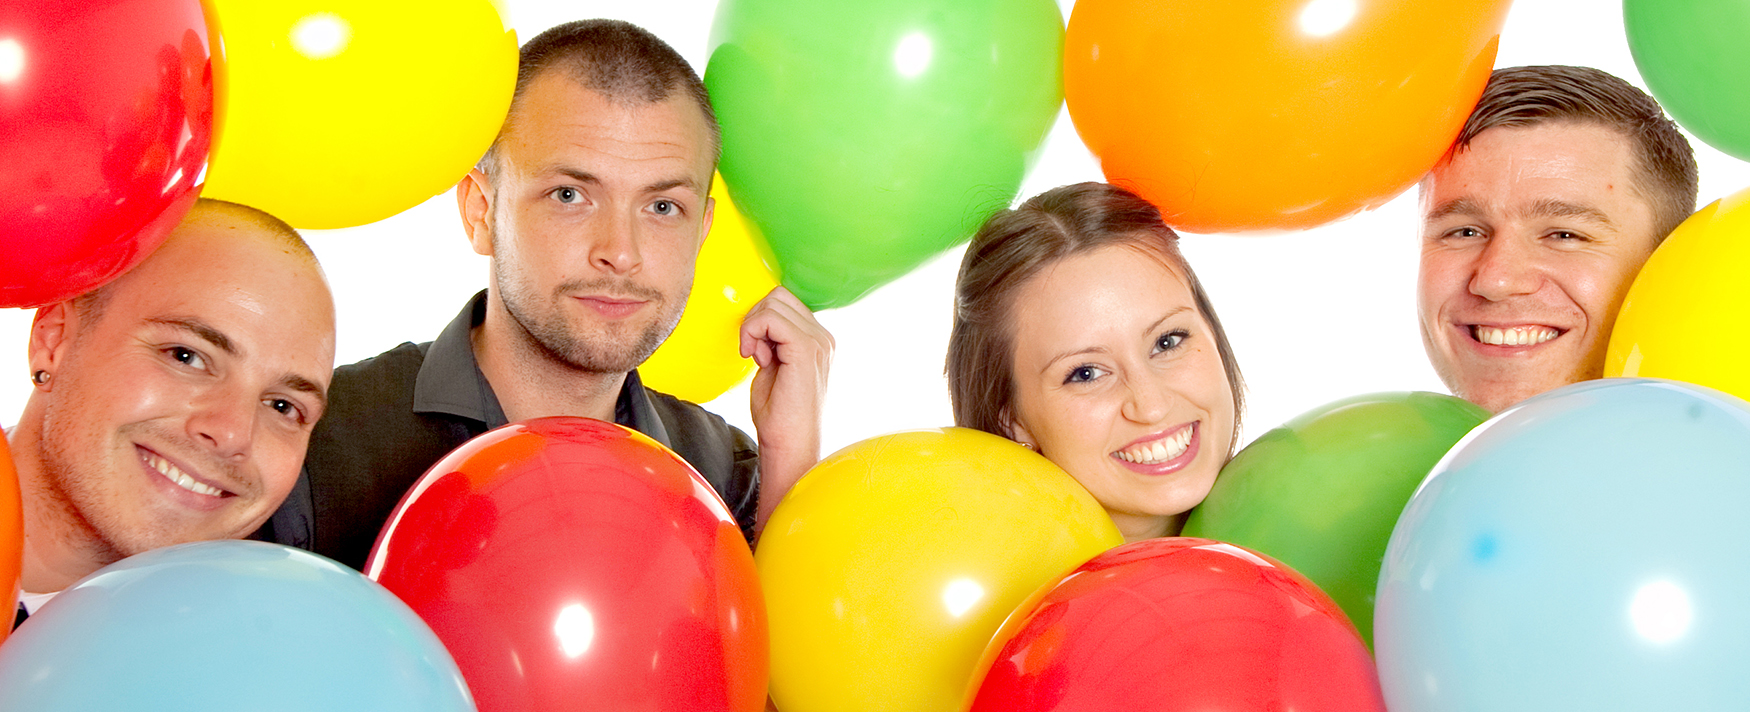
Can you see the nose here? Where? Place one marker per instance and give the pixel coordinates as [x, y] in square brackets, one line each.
[616, 248]
[1506, 268]
[1148, 400]
[224, 420]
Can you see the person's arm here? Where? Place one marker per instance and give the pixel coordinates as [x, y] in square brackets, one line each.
[794, 353]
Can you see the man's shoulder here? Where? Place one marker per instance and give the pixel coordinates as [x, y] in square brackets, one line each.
[382, 382]
[686, 419]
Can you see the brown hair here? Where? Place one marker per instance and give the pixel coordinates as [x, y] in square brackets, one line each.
[614, 58]
[1012, 247]
[1527, 96]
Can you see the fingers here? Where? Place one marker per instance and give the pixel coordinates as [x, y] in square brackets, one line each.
[780, 329]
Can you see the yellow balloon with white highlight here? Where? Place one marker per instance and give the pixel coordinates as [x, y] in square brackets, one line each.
[336, 113]
[702, 358]
[1687, 317]
[890, 565]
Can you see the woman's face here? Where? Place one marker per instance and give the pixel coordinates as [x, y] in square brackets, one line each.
[1118, 381]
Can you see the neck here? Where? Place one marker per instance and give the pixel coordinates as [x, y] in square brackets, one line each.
[59, 546]
[529, 381]
[1137, 527]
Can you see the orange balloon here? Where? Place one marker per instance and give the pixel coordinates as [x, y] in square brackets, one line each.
[11, 537]
[1274, 114]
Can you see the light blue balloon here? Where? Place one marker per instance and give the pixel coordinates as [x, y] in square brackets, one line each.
[1585, 550]
[227, 625]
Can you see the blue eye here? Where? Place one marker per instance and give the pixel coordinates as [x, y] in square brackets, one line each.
[568, 195]
[665, 207]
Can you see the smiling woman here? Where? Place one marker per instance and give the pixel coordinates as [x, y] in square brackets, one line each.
[1080, 332]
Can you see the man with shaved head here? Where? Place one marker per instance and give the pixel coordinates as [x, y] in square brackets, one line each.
[1560, 185]
[174, 403]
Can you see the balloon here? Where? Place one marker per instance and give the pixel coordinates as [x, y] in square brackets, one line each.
[1583, 550]
[11, 536]
[892, 562]
[106, 117]
[1687, 316]
[340, 113]
[1274, 114]
[227, 625]
[1178, 624]
[1322, 492]
[702, 358]
[1693, 57]
[572, 564]
[864, 138]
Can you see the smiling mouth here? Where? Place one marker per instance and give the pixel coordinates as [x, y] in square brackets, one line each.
[1157, 451]
[1530, 335]
[171, 472]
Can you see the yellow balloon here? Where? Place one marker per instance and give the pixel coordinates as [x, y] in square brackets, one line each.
[892, 563]
[335, 113]
[702, 358]
[1687, 317]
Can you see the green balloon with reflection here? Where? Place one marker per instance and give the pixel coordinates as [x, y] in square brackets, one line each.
[865, 138]
[1322, 492]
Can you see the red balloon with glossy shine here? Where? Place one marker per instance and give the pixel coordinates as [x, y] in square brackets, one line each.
[572, 564]
[106, 117]
[1179, 624]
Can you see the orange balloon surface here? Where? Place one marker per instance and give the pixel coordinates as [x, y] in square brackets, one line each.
[11, 536]
[1274, 114]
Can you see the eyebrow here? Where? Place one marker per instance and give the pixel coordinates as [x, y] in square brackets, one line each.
[305, 385]
[1459, 206]
[1552, 208]
[1546, 208]
[1052, 362]
[657, 187]
[201, 329]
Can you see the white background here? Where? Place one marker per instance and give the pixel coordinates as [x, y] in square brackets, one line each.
[1314, 316]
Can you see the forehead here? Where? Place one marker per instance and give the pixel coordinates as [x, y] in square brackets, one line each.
[1508, 168]
[1115, 291]
[261, 294]
[558, 120]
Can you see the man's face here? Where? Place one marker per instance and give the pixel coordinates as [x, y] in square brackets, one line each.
[598, 210]
[180, 410]
[1530, 238]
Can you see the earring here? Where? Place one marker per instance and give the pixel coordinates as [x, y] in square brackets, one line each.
[40, 378]
[1030, 446]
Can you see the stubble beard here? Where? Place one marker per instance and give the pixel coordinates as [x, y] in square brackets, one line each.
[76, 491]
[549, 332]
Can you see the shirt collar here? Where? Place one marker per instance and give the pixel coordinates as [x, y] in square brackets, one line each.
[450, 382]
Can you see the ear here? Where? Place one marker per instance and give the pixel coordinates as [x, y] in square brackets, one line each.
[474, 198]
[1018, 432]
[710, 215]
[51, 335]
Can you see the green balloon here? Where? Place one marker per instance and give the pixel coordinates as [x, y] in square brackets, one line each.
[1322, 492]
[864, 138]
[1695, 57]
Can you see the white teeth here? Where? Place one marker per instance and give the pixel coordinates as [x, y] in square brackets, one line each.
[182, 480]
[1516, 336]
[1158, 451]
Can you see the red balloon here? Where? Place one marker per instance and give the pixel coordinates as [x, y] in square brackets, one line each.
[1179, 624]
[572, 564]
[106, 116]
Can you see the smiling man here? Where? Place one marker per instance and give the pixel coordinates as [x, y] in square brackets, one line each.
[173, 404]
[1560, 185]
[592, 204]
